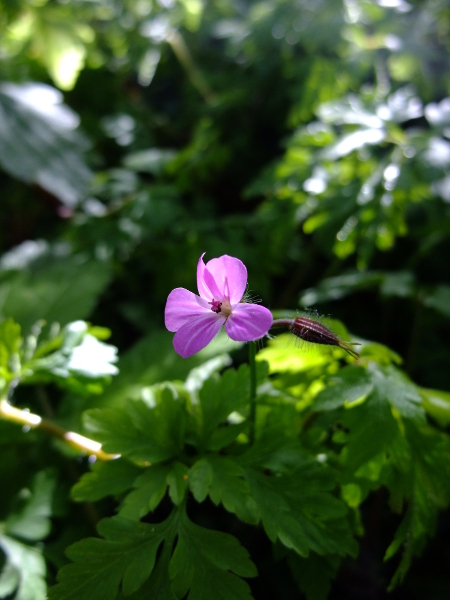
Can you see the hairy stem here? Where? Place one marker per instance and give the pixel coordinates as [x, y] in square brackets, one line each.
[33, 421]
[252, 416]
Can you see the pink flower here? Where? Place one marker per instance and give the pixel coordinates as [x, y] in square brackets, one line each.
[197, 319]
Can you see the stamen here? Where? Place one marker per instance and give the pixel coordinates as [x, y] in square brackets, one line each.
[216, 306]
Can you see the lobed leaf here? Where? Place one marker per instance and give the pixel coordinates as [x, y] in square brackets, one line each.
[127, 555]
[126, 562]
[107, 478]
[308, 517]
[148, 432]
[207, 564]
[223, 480]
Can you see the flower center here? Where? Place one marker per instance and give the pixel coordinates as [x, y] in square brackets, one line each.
[221, 307]
[216, 306]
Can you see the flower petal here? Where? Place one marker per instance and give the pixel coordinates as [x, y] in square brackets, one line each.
[181, 306]
[230, 275]
[207, 287]
[197, 333]
[248, 322]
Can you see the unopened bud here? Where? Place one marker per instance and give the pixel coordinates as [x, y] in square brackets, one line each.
[314, 332]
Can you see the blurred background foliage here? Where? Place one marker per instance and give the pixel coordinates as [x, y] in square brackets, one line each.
[309, 138]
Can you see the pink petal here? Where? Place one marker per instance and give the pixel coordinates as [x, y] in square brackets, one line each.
[230, 275]
[197, 333]
[207, 287]
[248, 322]
[181, 307]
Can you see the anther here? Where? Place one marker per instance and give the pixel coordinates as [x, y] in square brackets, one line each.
[216, 306]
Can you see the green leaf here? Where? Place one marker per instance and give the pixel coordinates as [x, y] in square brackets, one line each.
[223, 480]
[108, 478]
[152, 360]
[31, 520]
[127, 555]
[429, 472]
[219, 397]
[151, 432]
[437, 404]
[177, 480]
[403, 395]
[439, 299]
[372, 430]
[150, 488]
[158, 585]
[49, 286]
[10, 343]
[24, 571]
[61, 45]
[352, 384]
[314, 574]
[206, 563]
[335, 288]
[74, 353]
[308, 517]
[38, 141]
[284, 356]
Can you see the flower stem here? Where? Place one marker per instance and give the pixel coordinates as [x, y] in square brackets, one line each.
[33, 421]
[252, 416]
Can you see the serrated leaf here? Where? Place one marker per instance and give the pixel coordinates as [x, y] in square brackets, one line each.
[150, 489]
[148, 432]
[128, 554]
[372, 430]
[158, 585]
[401, 393]
[351, 384]
[308, 517]
[29, 567]
[223, 480]
[428, 493]
[107, 478]
[206, 563]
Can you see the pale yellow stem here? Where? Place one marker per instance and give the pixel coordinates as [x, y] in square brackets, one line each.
[75, 440]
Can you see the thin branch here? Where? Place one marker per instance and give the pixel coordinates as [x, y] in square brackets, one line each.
[32, 421]
[197, 79]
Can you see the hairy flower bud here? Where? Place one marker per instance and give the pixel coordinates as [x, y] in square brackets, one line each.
[314, 332]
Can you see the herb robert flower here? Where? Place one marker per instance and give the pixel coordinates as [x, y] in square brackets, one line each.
[197, 319]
